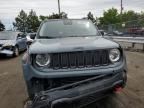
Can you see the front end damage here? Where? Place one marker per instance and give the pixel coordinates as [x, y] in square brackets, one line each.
[6, 52]
[79, 94]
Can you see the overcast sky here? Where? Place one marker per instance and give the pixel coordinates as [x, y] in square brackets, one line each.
[74, 8]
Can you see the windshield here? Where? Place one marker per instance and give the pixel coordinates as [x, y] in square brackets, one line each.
[67, 28]
[7, 36]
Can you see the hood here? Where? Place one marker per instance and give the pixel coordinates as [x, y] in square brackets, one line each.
[70, 44]
[10, 42]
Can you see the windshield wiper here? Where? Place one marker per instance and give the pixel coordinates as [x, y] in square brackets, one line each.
[50, 37]
[83, 36]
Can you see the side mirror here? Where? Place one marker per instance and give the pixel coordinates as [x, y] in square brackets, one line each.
[29, 42]
[102, 33]
[32, 36]
[19, 37]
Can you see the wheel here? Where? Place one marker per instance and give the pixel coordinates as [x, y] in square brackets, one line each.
[16, 51]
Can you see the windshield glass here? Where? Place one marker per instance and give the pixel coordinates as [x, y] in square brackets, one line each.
[7, 36]
[67, 28]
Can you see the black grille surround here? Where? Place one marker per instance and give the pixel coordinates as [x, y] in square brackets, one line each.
[79, 59]
[1, 45]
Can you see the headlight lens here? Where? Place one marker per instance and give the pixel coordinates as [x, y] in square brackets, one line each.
[7, 46]
[114, 55]
[42, 60]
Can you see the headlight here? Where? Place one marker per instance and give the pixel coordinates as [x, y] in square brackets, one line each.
[7, 46]
[114, 55]
[42, 60]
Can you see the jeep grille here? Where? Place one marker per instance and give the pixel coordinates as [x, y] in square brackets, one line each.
[79, 59]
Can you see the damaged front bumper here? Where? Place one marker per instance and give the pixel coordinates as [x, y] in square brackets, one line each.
[6, 52]
[80, 93]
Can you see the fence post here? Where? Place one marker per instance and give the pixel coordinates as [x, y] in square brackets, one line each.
[133, 45]
[143, 47]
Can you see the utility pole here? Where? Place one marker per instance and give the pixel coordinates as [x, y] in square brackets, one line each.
[121, 11]
[121, 7]
[59, 7]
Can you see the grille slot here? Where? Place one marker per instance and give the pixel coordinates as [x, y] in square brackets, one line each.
[79, 59]
[0, 45]
[73, 60]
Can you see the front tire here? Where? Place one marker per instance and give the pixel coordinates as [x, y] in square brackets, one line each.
[16, 51]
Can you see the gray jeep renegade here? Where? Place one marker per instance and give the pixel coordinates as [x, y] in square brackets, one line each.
[70, 63]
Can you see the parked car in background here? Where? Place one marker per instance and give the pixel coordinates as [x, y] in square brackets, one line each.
[71, 63]
[103, 33]
[11, 43]
[112, 33]
[117, 33]
[136, 31]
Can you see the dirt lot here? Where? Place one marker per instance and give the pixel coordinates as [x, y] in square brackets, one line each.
[13, 92]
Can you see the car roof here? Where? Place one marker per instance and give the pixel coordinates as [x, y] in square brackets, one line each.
[12, 32]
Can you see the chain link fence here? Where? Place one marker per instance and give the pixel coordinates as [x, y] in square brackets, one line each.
[129, 28]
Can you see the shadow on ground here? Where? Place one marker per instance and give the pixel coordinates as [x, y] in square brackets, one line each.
[6, 58]
[107, 102]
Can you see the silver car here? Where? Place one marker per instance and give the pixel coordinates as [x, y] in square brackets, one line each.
[11, 43]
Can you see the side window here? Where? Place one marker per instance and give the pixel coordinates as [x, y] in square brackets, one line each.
[21, 35]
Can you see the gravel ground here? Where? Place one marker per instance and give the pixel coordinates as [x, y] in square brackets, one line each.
[13, 92]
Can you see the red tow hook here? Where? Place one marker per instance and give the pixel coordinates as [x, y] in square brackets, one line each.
[118, 89]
